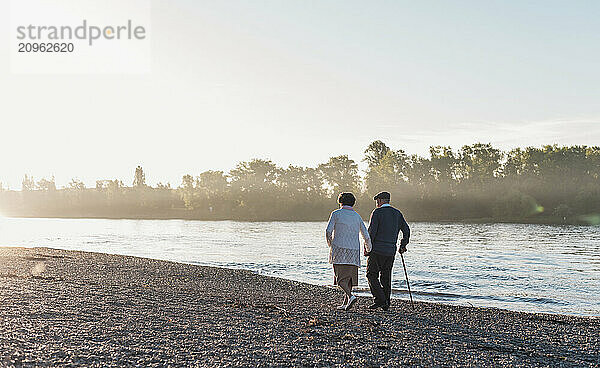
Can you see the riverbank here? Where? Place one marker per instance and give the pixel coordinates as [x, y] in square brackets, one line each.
[75, 308]
[589, 220]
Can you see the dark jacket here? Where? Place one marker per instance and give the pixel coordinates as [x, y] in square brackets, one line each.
[385, 225]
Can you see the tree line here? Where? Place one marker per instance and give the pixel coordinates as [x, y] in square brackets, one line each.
[479, 182]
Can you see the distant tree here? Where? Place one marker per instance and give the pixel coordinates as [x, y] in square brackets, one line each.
[212, 188]
[187, 191]
[443, 163]
[109, 184]
[214, 182]
[139, 180]
[593, 162]
[113, 191]
[75, 185]
[341, 174]
[255, 189]
[418, 171]
[162, 186]
[114, 186]
[47, 185]
[479, 162]
[28, 184]
[301, 182]
[74, 193]
[515, 163]
[388, 173]
[313, 179]
[256, 174]
[187, 182]
[375, 152]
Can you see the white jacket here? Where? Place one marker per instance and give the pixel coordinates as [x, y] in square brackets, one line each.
[342, 236]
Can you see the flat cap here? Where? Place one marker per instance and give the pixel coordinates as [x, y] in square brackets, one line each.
[382, 195]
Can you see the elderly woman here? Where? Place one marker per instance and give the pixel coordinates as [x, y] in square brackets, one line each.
[344, 246]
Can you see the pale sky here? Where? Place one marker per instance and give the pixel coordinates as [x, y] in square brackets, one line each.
[300, 81]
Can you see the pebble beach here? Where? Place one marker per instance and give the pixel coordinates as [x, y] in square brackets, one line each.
[70, 308]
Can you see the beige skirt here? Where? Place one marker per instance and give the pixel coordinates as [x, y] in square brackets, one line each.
[345, 271]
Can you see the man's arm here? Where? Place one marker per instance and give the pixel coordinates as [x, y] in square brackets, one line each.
[405, 233]
[373, 225]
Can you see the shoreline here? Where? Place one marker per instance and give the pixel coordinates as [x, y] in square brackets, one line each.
[95, 309]
[490, 221]
[362, 291]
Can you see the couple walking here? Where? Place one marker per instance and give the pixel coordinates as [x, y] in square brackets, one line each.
[380, 246]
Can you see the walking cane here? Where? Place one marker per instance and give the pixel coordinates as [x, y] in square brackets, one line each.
[407, 284]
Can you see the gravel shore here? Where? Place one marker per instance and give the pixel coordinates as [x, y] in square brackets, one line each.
[65, 308]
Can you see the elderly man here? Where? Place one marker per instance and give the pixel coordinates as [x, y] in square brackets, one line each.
[385, 225]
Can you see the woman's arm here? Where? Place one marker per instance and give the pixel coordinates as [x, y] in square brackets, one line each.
[329, 230]
[366, 237]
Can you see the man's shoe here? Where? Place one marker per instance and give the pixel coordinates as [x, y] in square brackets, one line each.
[351, 302]
[385, 307]
[374, 306]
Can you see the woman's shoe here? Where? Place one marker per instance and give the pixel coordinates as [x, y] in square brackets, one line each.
[351, 302]
[343, 306]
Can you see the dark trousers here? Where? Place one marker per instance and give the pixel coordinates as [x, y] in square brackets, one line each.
[379, 274]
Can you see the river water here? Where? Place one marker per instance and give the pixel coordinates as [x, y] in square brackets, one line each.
[534, 268]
